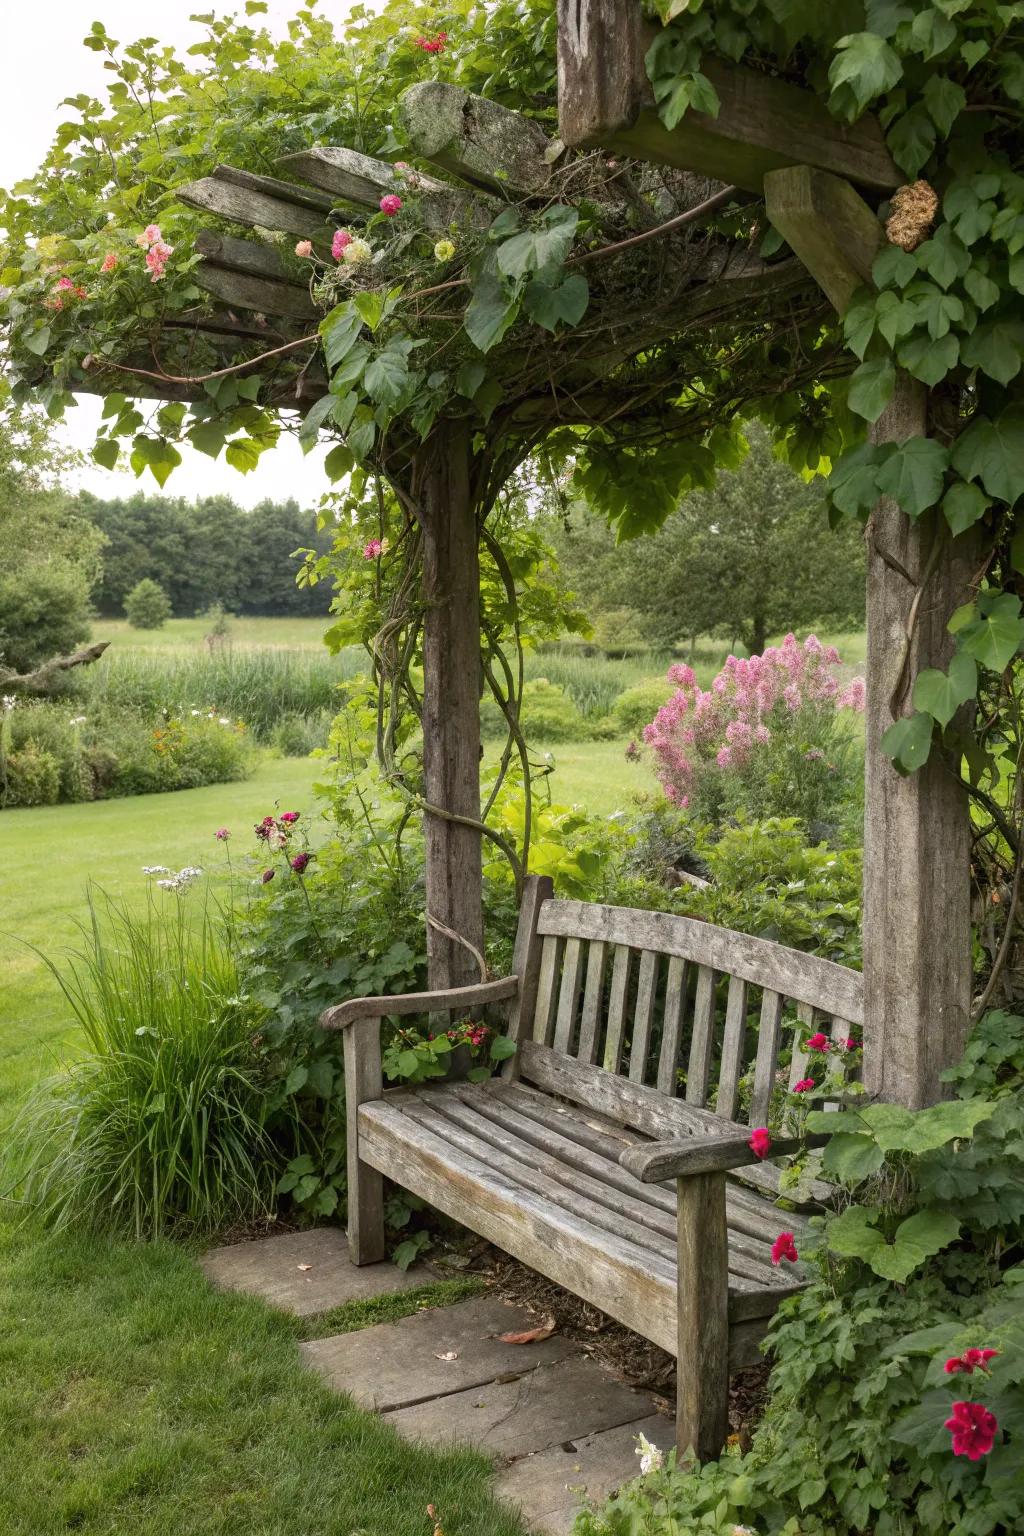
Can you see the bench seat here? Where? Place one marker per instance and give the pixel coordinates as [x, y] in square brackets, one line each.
[541, 1179]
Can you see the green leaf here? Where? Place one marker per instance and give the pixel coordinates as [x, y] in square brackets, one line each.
[866, 65]
[315, 418]
[243, 454]
[852, 1158]
[386, 375]
[913, 474]
[932, 33]
[871, 388]
[893, 267]
[945, 100]
[338, 462]
[489, 313]
[502, 1048]
[852, 1233]
[296, 1079]
[923, 1427]
[943, 257]
[995, 637]
[548, 244]
[853, 484]
[993, 452]
[931, 1128]
[911, 139]
[964, 504]
[156, 455]
[170, 417]
[940, 694]
[908, 742]
[340, 330]
[36, 341]
[105, 451]
[859, 325]
[894, 316]
[469, 378]
[370, 306]
[982, 289]
[937, 309]
[676, 94]
[929, 360]
[207, 437]
[549, 307]
[996, 349]
[918, 1238]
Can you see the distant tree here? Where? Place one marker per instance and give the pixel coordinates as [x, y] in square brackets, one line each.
[147, 605]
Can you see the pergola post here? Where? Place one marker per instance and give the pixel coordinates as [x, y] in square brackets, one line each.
[451, 703]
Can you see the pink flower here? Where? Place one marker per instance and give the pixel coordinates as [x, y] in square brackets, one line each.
[64, 283]
[723, 757]
[288, 817]
[804, 1085]
[853, 1044]
[109, 262]
[390, 204]
[156, 260]
[372, 549]
[432, 44]
[222, 834]
[304, 248]
[300, 861]
[342, 239]
[970, 1361]
[853, 696]
[784, 1247]
[818, 1042]
[266, 877]
[150, 236]
[973, 1429]
[760, 1142]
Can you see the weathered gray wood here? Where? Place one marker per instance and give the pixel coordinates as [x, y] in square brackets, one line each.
[526, 965]
[344, 1014]
[258, 293]
[253, 257]
[805, 1013]
[547, 991]
[271, 186]
[828, 225]
[733, 1040]
[698, 1069]
[245, 205]
[702, 1352]
[672, 1026]
[766, 1062]
[804, 978]
[616, 1006]
[593, 992]
[475, 138]
[451, 701]
[605, 99]
[689, 1156]
[346, 173]
[917, 918]
[630, 1103]
[568, 994]
[364, 1083]
[643, 1017]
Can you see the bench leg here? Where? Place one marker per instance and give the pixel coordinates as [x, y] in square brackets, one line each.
[702, 1360]
[363, 1082]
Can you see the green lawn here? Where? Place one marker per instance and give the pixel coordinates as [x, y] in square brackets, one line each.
[190, 634]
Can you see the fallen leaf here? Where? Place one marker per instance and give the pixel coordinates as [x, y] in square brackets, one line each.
[530, 1335]
[451, 1355]
[304, 1267]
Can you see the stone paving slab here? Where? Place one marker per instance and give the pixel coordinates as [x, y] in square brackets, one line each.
[548, 1406]
[550, 1486]
[395, 1365]
[276, 1269]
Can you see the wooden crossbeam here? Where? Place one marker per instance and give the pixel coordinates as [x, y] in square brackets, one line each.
[288, 191]
[478, 140]
[828, 225]
[764, 124]
[354, 177]
[254, 205]
[264, 295]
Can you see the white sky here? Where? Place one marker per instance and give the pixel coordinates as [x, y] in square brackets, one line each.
[42, 60]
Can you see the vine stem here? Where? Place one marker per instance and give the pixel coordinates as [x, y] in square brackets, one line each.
[999, 963]
[457, 938]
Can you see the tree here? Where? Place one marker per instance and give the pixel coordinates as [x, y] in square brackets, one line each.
[147, 605]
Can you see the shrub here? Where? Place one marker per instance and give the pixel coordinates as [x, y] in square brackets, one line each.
[162, 1122]
[147, 605]
[167, 754]
[298, 735]
[634, 708]
[766, 737]
[30, 777]
[44, 612]
[547, 714]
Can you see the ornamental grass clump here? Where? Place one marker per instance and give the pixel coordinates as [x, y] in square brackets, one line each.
[160, 1123]
[768, 737]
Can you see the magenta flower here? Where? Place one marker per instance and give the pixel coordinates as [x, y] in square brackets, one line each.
[390, 204]
[973, 1429]
[760, 1141]
[853, 1044]
[290, 816]
[266, 877]
[804, 1085]
[372, 549]
[432, 44]
[222, 834]
[300, 862]
[818, 1042]
[784, 1247]
[342, 239]
[970, 1361]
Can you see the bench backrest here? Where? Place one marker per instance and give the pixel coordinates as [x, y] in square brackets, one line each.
[680, 1005]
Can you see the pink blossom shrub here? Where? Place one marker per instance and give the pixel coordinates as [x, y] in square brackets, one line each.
[767, 737]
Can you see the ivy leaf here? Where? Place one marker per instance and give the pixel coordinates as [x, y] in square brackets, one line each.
[908, 742]
[996, 349]
[993, 452]
[893, 267]
[489, 313]
[931, 33]
[853, 484]
[867, 65]
[929, 360]
[943, 257]
[982, 289]
[937, 309]
[945, 100]
[964, 504]
[973, 53]
[913, 474]
[885, 16]
[940, 694]
[995, 637]
[549, 307]
[545, 246]
[894, 316]
[859, 325]
[871, 388]
[681, 92]
[911, 139]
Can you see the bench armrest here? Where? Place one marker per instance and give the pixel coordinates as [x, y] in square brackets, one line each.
[344, 1014]
[652, 1162]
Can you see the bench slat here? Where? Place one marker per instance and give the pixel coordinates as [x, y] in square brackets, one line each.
[617, 1008]
[643, 1016]
[568, 994]
[732, 1048]
[645, 1109]
[672, 1026]
[547, 991]
[590, 1019]
[804, 978]
[767, 1059]
[698, 1071]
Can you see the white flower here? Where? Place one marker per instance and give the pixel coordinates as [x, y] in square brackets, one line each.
[357, 253]
[651, 1459]
[155, 869]
[168, 885]
[277, 838]
[743, 1530]
[223, 720]
[195, 713]
[9, 701]
[77, 720]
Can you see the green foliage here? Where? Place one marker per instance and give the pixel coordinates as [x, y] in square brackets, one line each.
[44, 612]
[162, 1122]
[29, 777]
[637, 706]
[546, 714]
[147, 605]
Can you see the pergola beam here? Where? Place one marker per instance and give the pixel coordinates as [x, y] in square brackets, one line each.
[765, 124]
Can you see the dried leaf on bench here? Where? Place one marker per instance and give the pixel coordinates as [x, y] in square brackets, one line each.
[530, 1335]
[452, 1354]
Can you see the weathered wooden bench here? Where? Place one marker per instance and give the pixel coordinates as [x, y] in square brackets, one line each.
[627, 1024]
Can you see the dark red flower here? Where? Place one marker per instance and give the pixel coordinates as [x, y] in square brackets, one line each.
[266, 877]
[784, 1247]
[432, 44]
[289, 816]
[300, 861]
[970, 1361]
[818, 1042]
[760, 1142]
[973, 1429]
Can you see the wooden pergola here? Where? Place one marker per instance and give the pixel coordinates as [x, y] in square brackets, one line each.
[822, 184]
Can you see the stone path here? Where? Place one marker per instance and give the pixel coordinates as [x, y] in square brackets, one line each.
[561, 1429]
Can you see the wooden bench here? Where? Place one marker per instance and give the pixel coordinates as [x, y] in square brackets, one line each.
[595, 1158]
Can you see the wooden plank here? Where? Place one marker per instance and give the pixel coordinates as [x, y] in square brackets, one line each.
[616, 1006]
[763, 124]
[364, 1084]
[766, 1061]
[733, 1040]
[698, 1069]
[643, 1016]
[632, 1104]
[672, 1026]
[526, 965]
[347, 174]
[798, 1066]
[259, 293]
[804, 978]
[692, 1156]
[828, 225]
[253, 257]
[593, 1264]
[568, 994]
[271, 186]
[702, 1352]
[593, 994]
[243, 205]
[547, 992]
[344, 1014]
[475, 138]
[917, 891]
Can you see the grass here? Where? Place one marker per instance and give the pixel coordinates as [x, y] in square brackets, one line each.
[179, 635]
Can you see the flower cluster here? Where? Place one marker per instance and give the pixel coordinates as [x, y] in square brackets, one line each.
[372, 549]
[784, 1247]
[435, 44]
[970, 1361]
[749, 701]
[174, 881]
[157, 252]
[469, 1033]
[276, 832]
[64, 291]
[651, 1458]
[390, 204]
